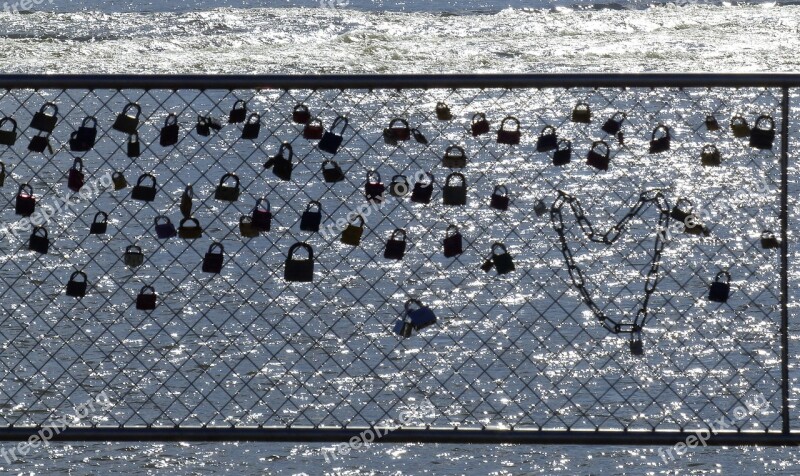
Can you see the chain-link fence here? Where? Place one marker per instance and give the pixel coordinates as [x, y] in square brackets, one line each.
[558, 283]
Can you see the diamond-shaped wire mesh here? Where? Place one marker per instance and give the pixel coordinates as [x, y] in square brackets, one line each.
[519, 350]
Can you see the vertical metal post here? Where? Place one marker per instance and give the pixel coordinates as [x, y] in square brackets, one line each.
[785, 261]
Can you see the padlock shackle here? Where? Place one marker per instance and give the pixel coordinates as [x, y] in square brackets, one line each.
[709, 148]
[724, 273]
[77, 164]
[240, 102]
[37, 229]
[285, 146]
[455, 147]
[314, 122]
[582, 106]
[145, 176]
[259, 207]
[245, 219]
[403, 122]
[147, 287]
[738, 119]
[102, 214]
[255, 116]
[567, 142]
[396, 232]
[216, 245]
[500, 190]
[447, 233]
[11, 120]
[190, 219]
[453, 175]
[360, 217]
[297, 246]
[341, 120]
[76, 274]
[619, 114]
[496, 245]
[662, 128]
[426, 176]
[133, 249]
[132, 105]
[161, 217]
[403, 177]
[440, 106]
[85, 120]
[602, 143]
[407, 305]
[188, 191]
[314, 203]
[547, 128]
[49, 105]
[509, 118]
[767, 234]
[765, 118]
[684, 200]
[23, 187]
[227, 176]
[478, 117]
[300, 108]
[174, 118]
[334, 164]
[375, 173]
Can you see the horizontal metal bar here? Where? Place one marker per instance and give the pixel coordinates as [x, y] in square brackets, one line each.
[388, 435]
[617, 80]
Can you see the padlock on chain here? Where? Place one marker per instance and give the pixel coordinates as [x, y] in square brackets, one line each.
[133, 256]
[252, 127]
[313, 129]
[25, 202]
[187, 197]
[189, 229]
[281, 165]
[479, 125]
[44, 122]
[170, 131]
[238, 112]
[146, 299]
[419, 315]
[99, 227]
[581, 113]
[84, 138]
[739, 126]
[164, 227]
[613, 124]
[228, 193]
[299, 270]
[769, 240]
[311, 219]
[262, 216]
[374, 188]
[214, 258]
[762, 136]
[500, 199]
[39, 240]
[8, 137]
[548, 139]
[301, 114]
[720, 291]
[599, 159]
[510, 135]
[331, 172]
[128, 120]
[145, 193]
[75, 176]
[563, 153]
[710, 156]
[399, 187]
[423, 189]
[352, 234]
[396, 246]
[331, 140]
[454, 157]
[118, 179]
[455, 194]
[453, 242]
[443, 112]
[660, 139]
[77, 287]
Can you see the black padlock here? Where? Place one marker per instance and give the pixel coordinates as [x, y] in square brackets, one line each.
[246, 227]
[396, 246]
[510, 135]
[720, 291]
[281, 164]
[763, 134]
[8, 137]
[419, 315]
[301, 114]
[540, 208]
[133, 256]
[146, 193]
[84, 138]
[39, 241]
[502, 259]
[453, 242]
[582, 113]
[212, 261]
[403, 327]
[454, 194]
[499, 199]
[423, 189]
[636, 345]
[128, 120]
[596, 158]
[228, 193]
[299, 270]
[682, 210]
[660, 143]
[262, 216]
[75, 287]
[2, 174]
[134, 146]
[331, 171]
[613, 125]
[252, 127]
[25, 203]
[311, 219]
[203, 126]
[164, 227]
[398, 130]
[374, 189]
[769, 241]
[313, 129]
[146, 300]
[75, 176]
[42, 121]
[548, 140]
[39, 142]
[170, 131]
[563, 153]
[351, 235]
[118, 178]
[331, 141]
[399, 187]
[443, 112]
[238, 112]
[189, 229]
[739, 126]
[454, 157]
[479, 124]
[710, 156]
[187, 197]
[99, 227]
[711, 123]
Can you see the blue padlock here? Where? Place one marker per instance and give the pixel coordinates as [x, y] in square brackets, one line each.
[164, 227]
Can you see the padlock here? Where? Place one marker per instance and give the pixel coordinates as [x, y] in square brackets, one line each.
[398, 130]
[509, 136]
[453, 242]
[403, 327]
[418, 136]
[238, 112]
[262, 216]
[563, 153]
[75, 176]
[499, 199]
[84, 138]
[299, 270]
[127, 122]
[502, 259]
[310, 220]
[331, 141]
[164, 227]
[99, 227]
[281, 165]
[681, 213]
[613, 125]
[487, 265]
[133, 256]
[720, 291]
[26, 203]
[711, 123]
[76, 287]
[582, 113]
[42, 121]
[170, 131]
[443, 112]
[313, 129]
[189, 229]
[423, 189]
[2, 174]
[331, 171]
[8, 137]
[134, 146]
[399, 187]
[479, 124]
[118, 179]
[739, 126]
[228, 193]
[374, 190]
[185, 206]
[301, 114]
[146, 300]
[252, 127]
[763, 134]
[694, 226]
[203, 126]
[662, 143]
[39, 142]
[396, 246]
[146, 193]
[39, 242]
[352, 233]
[246, 227]
[420, 316]
[454, 194]
[710, 156]
[769, 241]
[540, 208]
[454, 157]
[212, 261]
[598, 160]
[548, 140]
[636, 345]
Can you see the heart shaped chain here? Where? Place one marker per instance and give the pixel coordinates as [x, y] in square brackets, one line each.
[650, 197]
